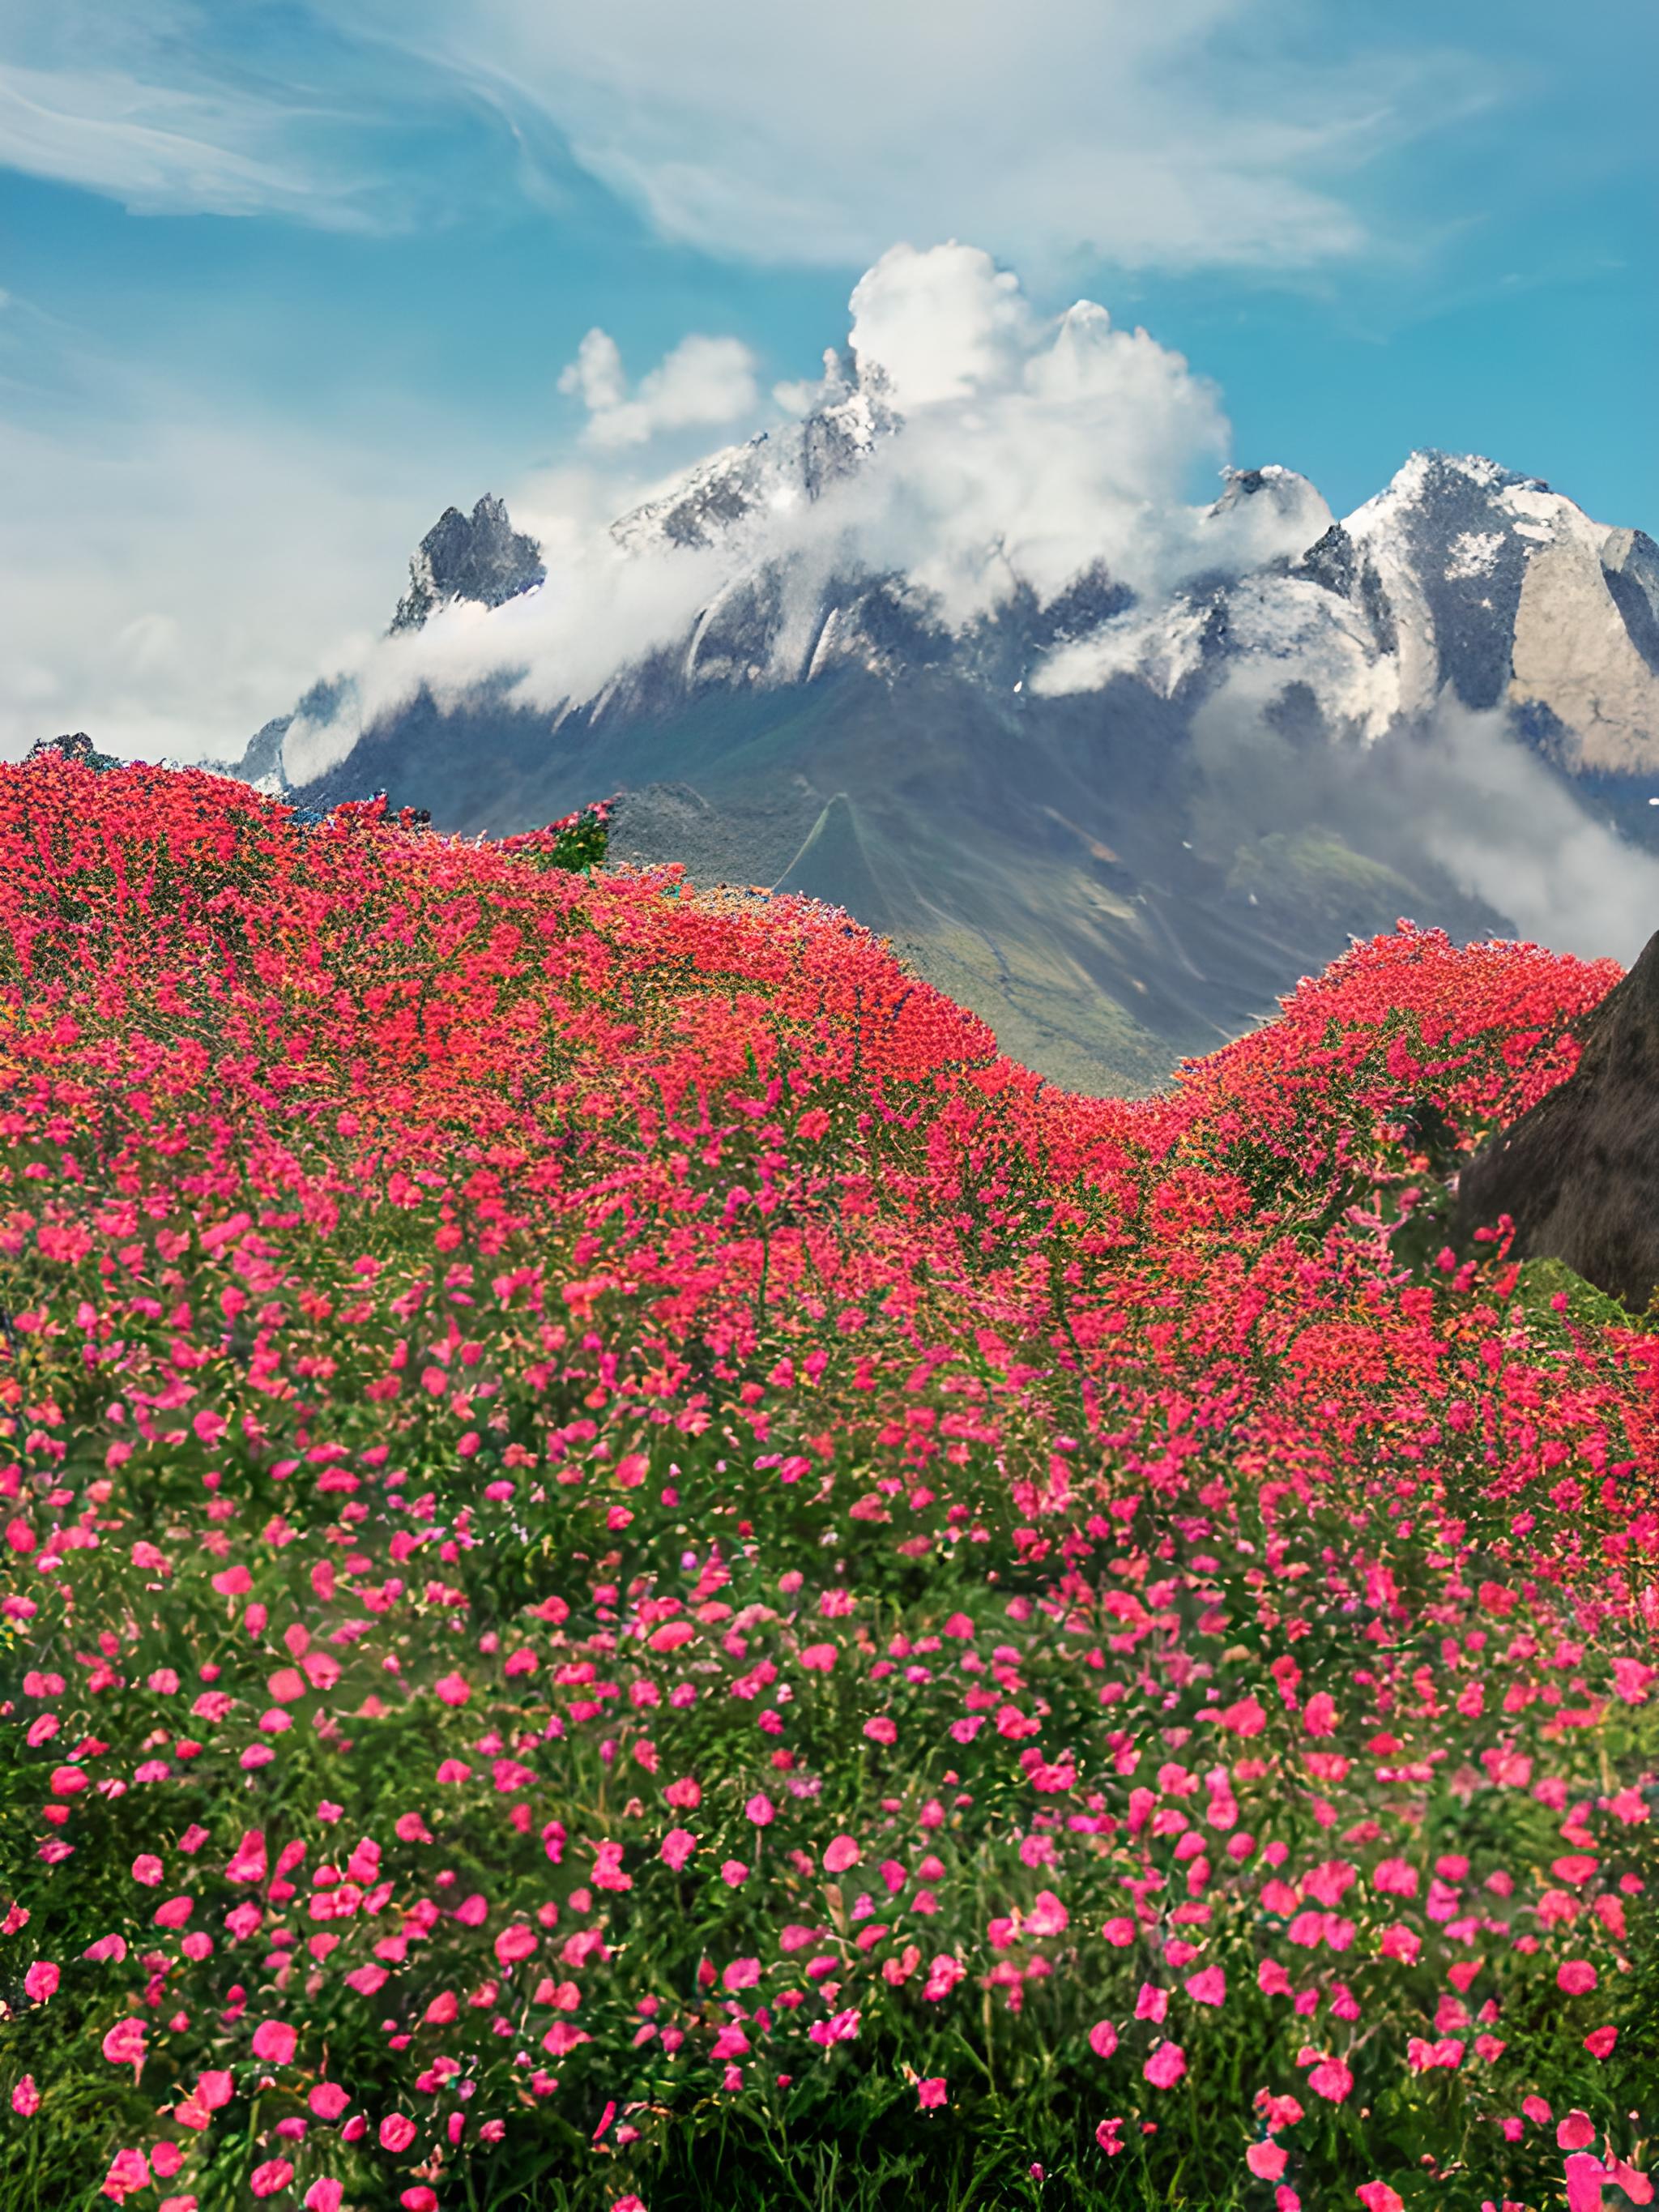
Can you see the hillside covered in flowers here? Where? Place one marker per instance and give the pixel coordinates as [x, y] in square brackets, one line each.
[635, 1574]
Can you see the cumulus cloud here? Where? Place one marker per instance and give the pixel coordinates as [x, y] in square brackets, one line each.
[703, 383]
[937, 323]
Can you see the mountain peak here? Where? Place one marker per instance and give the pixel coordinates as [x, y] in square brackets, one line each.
[479, 556]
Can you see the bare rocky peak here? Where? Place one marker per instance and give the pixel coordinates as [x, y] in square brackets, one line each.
[478, 557]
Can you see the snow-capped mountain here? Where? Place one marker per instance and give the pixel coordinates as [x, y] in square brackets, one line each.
[1115, 809]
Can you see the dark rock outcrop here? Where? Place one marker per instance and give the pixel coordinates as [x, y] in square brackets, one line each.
[73, 745]
[1579, 1174]
[479, 556]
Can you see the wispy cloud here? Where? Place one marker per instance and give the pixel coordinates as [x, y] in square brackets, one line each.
[163, 147]
[703, 382]
[1197, 133]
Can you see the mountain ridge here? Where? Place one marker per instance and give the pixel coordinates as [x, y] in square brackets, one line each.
[1243, 737]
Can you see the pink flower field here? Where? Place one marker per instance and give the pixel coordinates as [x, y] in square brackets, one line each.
[636, 1575]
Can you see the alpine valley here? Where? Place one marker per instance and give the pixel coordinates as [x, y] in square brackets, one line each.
[1115, 813]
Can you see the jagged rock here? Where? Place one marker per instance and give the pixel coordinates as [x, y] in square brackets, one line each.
[75, 745]
[479, 556]
[1578, 1175]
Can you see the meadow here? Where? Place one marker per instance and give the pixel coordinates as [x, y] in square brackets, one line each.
[637, 1574]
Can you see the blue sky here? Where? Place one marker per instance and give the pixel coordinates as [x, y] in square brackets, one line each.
[281, 281]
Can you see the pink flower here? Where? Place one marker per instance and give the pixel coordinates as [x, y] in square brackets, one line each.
[1267, 2161]
[608, 1869]
[1587, 2176]
[1377, 2196]
[1209, 1987]
[761, 1811]
[328, 2100]
[1600, 2042]
[216, 2087]
[1319, 1715]
[1166, 2066]
[26, 2098]
[1152, 2003]
[419, 2198]
[1048, 1916]
[123, 2044]
[266, 2180]
[515, 1943]
[1110, 2135]
[1398, 1875]
[147, 1869]
[453, 1689]
[325, 2195]
[396, 2131]
[678, 1846]
[1103, 2038]
[819, 1658]
[1331, 2079]
[128, 2171]
[247, 1863]
[1577, 2131]
[930, 2093]
[630, 2203]
[881, 1730]
[1576, 1976]
[274, 2041]
[841, 1853]
[685, 1795]
[40, 1981]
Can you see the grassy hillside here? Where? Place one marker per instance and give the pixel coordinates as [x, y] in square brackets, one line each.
[1108, 894]
[637, 1574]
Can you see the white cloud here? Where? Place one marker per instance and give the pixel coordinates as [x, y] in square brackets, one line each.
[937, 323]
[1508, 830]
[1197, 133]
[158, 147]
[172, 577]
[1030, 446]
[703, 382]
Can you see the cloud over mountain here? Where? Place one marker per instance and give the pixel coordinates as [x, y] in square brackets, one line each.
[989, 450]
